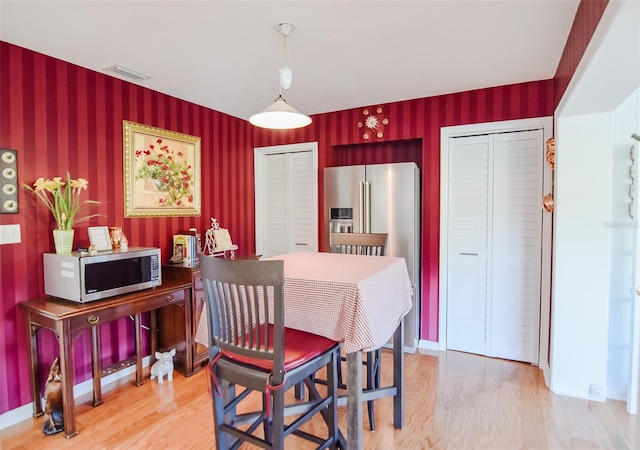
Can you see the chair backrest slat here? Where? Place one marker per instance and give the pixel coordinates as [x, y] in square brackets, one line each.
[358, 243]
[243, 298]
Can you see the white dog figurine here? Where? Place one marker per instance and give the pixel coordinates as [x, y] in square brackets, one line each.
[163, 366]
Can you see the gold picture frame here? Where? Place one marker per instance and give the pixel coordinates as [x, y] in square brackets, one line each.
[161, 172]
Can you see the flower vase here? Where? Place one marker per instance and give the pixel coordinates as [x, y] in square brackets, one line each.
[153, 185]
[160, 185]
[63, 240]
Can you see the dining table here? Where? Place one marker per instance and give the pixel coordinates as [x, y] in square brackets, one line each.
[357, 300]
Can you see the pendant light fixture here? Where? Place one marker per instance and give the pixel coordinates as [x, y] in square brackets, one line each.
[281, 116]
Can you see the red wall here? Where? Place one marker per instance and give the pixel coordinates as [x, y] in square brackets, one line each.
[62, 117]
[584, 24]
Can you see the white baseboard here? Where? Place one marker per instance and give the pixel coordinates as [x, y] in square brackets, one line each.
[428, 345]
[546, 372]
[617, 393]
[25, 412]
[15, 416]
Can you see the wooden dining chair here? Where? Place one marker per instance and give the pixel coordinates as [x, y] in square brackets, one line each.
[362, 244]
[358, 243]
[252, 351]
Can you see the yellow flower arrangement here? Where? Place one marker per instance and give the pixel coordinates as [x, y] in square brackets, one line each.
[63, 199]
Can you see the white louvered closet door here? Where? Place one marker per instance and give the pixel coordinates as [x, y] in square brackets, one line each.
[275, 199]
[494, 244]
[302, 230]
[468, 236]
[287, 209]
[516, 260]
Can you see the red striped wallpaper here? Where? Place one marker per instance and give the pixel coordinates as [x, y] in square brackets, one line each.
[584, 24]
[62, 117]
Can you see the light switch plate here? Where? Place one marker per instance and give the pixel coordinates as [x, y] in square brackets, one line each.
[10, 234]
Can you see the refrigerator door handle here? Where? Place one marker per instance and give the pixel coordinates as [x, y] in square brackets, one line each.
[361, 217]
[367, 207]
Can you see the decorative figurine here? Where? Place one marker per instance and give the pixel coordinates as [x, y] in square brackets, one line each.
[163, 366]
[218, 241]
[93, 249]
[178, 254]
[53, 420]
[116, 234]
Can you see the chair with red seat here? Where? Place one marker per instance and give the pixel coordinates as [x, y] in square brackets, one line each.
[251, 348]
[373, 244]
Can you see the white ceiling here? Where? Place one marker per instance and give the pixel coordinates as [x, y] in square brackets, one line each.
[344, 54]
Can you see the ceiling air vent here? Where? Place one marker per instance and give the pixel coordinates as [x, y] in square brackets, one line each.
[126, 72]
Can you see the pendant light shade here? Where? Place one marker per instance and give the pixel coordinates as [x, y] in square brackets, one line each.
[280, 115]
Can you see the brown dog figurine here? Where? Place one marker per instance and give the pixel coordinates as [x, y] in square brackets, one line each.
[53, 420]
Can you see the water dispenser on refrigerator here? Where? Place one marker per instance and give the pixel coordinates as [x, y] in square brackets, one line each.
[341, 220]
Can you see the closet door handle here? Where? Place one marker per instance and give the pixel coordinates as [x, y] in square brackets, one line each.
[468, 254]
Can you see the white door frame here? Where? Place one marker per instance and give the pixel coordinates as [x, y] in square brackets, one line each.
[546, 124]
[258, 154]
[632, 391]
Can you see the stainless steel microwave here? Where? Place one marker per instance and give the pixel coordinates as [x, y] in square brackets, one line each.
[84, 278]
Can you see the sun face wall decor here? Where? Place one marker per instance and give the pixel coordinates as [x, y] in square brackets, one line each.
[373, 123]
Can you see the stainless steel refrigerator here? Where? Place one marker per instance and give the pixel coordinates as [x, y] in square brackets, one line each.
[381, 198]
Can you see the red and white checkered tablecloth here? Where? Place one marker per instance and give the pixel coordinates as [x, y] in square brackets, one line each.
[357, 300]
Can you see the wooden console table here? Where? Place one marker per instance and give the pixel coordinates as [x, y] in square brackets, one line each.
[177, 324]
[65, 318]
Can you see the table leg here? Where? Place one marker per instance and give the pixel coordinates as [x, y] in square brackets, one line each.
[189, 327]
[153, 325]
[137, 320]
[63, 329]
[354, 400]
[34, 366]
[398, 376]
[96, 365]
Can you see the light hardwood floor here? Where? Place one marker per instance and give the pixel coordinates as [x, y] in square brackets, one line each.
[453, 401]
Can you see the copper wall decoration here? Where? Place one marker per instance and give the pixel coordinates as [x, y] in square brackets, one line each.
[551, 153]
[547, 200]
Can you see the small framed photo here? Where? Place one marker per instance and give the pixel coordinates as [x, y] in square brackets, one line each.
[161, 172]
[99, 236]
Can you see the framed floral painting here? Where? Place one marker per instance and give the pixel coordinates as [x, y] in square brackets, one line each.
[161, 172]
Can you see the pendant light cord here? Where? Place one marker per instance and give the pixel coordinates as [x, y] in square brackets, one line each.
[283, 50]
[283, 59]
[282, 44]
